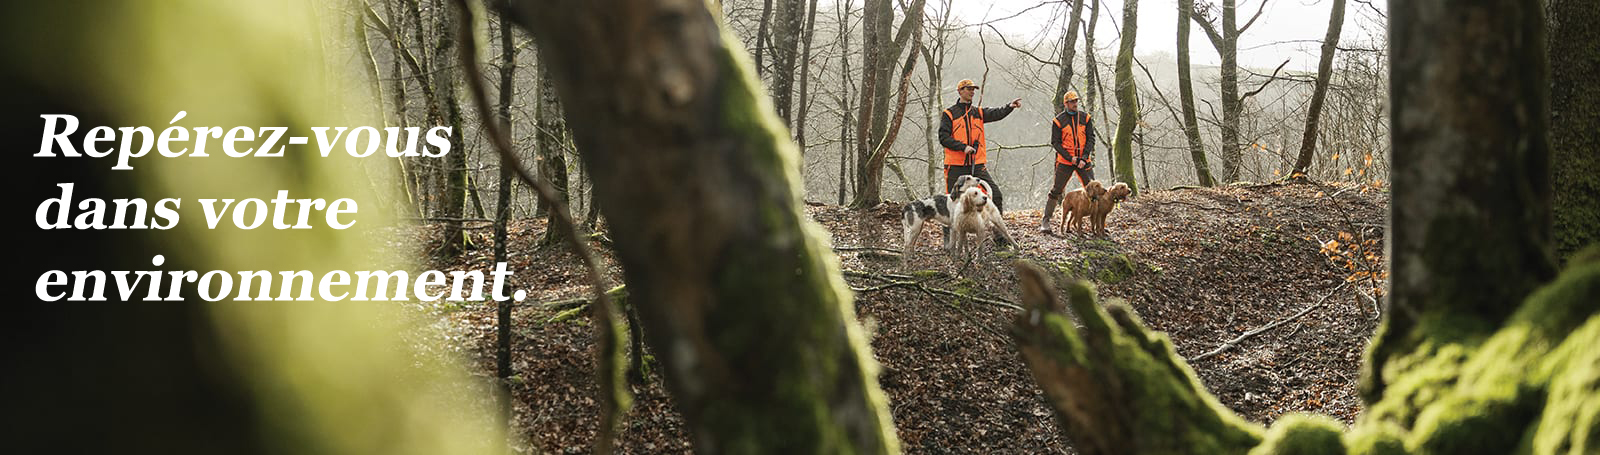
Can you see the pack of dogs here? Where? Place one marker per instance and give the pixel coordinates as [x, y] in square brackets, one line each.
[972, 217]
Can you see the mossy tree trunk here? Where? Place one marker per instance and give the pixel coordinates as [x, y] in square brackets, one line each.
[1470, 215]
[740, 295]
[1191, 125]
[1127, 98]
[1575, 126]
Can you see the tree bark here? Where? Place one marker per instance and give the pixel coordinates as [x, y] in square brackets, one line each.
[502, 215]
[1069, 49]
[671, 111]
[1191, 126]
[786, 32]
[844, 102]
[1127, 98]
[1575, 128]
[805, 82]
[1226, 41]
[1471, 191]
[1330, 44]
[552, 160]
[455, 163]
[880, 53]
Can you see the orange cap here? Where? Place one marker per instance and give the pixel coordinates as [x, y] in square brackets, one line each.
[1071, 95]
[965, 83]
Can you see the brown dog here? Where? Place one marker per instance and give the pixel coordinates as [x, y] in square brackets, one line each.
[1102, 207]
[1079, 204]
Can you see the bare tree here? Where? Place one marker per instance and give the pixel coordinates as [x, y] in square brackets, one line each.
[1127, 97]
[1330, 44]
[786, 37]
[799, 122]
[1191, 126]
[1069, 43]
[880, 52]
[1225, 38]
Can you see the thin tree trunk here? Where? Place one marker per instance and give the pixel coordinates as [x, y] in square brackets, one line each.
[805, 82]
[785, 39]
[792, 374]
[1127, 98]
[844, 102]
[455, 163]
[1191, 125]
[1330, 44]
[502, 215]
[1069, 43]
[761, 36]
[1093, 88]
[553, 163]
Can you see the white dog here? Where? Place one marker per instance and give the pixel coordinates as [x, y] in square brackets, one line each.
[974, 214]
[938, 207]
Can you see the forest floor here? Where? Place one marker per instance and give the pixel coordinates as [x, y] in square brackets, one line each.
[1202, 265]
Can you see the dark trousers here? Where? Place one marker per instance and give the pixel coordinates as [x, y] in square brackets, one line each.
[953, 172]
[1064, 174]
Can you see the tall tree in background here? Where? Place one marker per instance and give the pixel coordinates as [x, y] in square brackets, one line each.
[455, 163]
[1575, 127]
[1094, 91]
[551, 139]
[1069, 43]
[786, 37]
[502, 215]
[845, 120]
[1127, 97]
[933, 56]
[761, 37]
[743, 301]
[805, 83]
[1225, 38]
[1191, 125]
[1330, 44]
[881, 50]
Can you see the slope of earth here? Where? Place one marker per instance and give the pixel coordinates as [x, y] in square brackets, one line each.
[1203, 265]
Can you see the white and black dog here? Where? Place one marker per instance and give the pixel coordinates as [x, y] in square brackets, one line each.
[943, 208]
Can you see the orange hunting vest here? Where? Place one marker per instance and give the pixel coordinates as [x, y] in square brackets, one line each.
[967, 128]
[1073, 136]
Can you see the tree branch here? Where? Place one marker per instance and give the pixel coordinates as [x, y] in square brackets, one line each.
[1264, 84]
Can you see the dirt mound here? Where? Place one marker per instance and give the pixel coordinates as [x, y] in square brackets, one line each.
[1202, 265]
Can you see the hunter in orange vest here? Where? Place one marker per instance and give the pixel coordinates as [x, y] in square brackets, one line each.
[1072, 138]
[961, 133]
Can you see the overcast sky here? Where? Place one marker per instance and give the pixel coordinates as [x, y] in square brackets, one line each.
[1283, 22]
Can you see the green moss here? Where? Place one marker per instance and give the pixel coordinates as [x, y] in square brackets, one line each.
[1302, 434]
[1376, 439]
[1531, 385]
